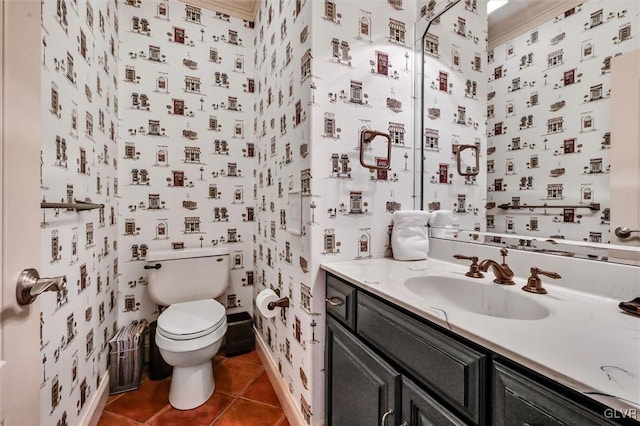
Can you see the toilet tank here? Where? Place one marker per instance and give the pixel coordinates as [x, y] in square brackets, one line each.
[186, 275]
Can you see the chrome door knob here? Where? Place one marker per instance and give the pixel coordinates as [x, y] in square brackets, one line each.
[624, 232]
[30, 285]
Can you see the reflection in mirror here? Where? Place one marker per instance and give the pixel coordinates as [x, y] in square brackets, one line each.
[539, 75]
[451, 44]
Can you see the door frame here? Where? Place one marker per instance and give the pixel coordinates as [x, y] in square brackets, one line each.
[20, 144]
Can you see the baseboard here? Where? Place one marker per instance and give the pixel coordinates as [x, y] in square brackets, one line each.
[289, 406]
[96, 405]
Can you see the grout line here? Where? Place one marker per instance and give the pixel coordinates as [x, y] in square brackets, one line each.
[157, 413]
[259, 402]
[251, 382]
[115, 398]
[124, 417]
[219, 416]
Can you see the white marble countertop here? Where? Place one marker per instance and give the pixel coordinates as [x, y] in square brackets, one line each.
[587, 343]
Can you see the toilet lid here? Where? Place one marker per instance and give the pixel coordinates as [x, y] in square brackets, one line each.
[190, 320]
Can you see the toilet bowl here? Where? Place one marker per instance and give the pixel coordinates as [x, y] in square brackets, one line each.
[191, 329]
[188, 335]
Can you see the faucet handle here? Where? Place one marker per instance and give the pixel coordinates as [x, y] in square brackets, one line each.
[534, 284]
[463, 257]
[473, 269]
[549, 274]
[503, 253]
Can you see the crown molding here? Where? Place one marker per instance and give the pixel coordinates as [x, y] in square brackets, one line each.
[243, 9]
[518, 17]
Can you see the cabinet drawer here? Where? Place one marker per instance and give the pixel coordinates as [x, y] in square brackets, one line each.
[519, 400]
[341, 301]
[451, 369]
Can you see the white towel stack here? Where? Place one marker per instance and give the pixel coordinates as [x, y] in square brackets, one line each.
[441, 218]
[442, 224]
[409, 240]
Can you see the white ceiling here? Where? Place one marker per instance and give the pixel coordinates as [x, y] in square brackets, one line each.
[512, 19]
[243, 9]
[519, 16]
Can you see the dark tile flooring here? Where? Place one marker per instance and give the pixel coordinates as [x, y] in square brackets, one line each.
[243, 397]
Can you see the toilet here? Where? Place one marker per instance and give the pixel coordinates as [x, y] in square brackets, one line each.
[191, 328]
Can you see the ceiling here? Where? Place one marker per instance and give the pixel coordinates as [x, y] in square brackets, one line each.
[243, 9]
[512, 19]
[519, 16]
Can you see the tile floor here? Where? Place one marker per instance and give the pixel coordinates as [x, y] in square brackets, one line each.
[243, 397]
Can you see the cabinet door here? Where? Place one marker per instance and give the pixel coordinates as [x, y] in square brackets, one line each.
[518, 400]
[419, 409]
[361, 387]
[446, 367]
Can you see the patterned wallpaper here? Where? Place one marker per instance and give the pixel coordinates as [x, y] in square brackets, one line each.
[231, 133]
[79, 161]
[454, 111]
[186, 148]
[281, 251]
[548, 121]
[328, 70]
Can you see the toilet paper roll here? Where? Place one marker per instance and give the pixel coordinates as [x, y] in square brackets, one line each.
[265, 297]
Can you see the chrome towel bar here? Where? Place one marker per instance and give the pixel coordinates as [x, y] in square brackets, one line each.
[77, 205]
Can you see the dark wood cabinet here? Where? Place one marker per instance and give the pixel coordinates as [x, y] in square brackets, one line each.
[382, 359]
[420, 409]
[517, 400]
[361, 387]
[447, 367]
[341, 301]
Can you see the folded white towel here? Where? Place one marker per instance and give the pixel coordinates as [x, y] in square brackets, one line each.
[409, 240]
[441, 218]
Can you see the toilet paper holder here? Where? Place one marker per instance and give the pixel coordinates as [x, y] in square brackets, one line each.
[280, 303]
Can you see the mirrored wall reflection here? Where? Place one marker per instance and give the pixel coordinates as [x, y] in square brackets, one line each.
[453, 89]
[549, 123]
[546, 99]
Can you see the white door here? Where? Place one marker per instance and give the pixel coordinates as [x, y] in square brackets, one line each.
[20, 212]
[625, 158]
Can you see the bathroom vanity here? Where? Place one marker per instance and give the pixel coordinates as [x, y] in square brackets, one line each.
[399, 355]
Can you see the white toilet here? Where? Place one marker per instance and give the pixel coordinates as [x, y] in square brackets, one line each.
[191, 329]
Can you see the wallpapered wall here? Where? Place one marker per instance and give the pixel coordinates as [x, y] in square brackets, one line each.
[210, 156]
[331, 69]
[186, 143]
[549, 126]
[79, 161]
[454, 111]
[281, 250]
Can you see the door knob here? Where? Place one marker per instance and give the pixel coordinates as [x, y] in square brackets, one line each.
[30, 285]
[624, 232]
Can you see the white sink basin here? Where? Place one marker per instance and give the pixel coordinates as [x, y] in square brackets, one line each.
[479, 298]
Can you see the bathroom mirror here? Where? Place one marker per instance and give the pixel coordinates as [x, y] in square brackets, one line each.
[528, 132]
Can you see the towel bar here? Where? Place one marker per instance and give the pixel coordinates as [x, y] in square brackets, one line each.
[476, 170]
[366, 136]
[77, 205]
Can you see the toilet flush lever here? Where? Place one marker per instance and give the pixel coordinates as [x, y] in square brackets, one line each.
[156, 266]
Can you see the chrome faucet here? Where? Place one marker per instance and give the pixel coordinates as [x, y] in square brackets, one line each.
[502, 272]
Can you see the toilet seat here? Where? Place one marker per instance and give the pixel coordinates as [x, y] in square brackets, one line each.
[191, 320]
